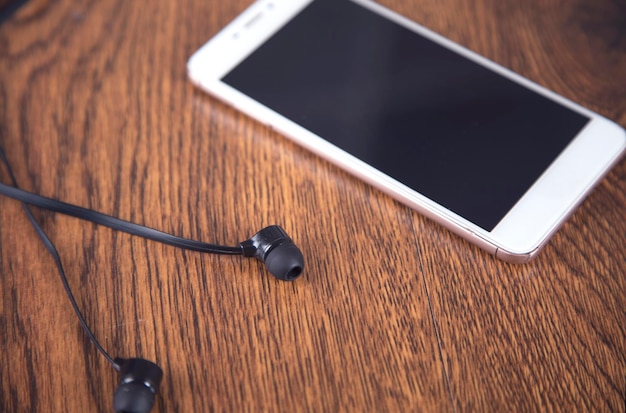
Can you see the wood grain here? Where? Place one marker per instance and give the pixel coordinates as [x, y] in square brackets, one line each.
[393, 313]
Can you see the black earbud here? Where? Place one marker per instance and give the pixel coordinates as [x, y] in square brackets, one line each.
[273, 247]
[138, 385]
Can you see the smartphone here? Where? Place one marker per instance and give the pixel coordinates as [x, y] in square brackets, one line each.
[490, 155]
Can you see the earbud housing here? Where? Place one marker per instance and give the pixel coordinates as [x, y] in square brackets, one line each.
[281, 256]
[139, 384]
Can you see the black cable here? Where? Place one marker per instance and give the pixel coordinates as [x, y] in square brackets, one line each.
[271, 245]
[115, 223]
[57, 259]
[141, 378]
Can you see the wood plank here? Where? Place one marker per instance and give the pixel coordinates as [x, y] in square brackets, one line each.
[393, 313]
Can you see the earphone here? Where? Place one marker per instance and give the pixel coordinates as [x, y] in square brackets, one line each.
[139, 378]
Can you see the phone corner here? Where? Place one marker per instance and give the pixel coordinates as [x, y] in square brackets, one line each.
[191, 66]
[610, 129]
[516, 257]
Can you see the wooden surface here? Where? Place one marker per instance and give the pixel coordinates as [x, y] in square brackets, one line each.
[393, 313]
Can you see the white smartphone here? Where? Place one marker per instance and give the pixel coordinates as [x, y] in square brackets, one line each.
[488, 154]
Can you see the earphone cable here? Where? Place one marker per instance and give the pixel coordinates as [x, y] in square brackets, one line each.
[57, 259]
[115, 223]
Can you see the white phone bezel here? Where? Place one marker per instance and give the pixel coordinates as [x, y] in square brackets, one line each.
[529, 224]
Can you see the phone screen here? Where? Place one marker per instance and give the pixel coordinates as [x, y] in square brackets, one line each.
[447, 127]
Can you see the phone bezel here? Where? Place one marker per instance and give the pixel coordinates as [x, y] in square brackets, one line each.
[526, 227]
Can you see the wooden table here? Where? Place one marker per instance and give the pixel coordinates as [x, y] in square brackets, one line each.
[393, 312]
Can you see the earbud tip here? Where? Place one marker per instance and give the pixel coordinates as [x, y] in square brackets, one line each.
[285, 262]
[133, 398]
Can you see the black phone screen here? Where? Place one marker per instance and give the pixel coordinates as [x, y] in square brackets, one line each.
[449, 128]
